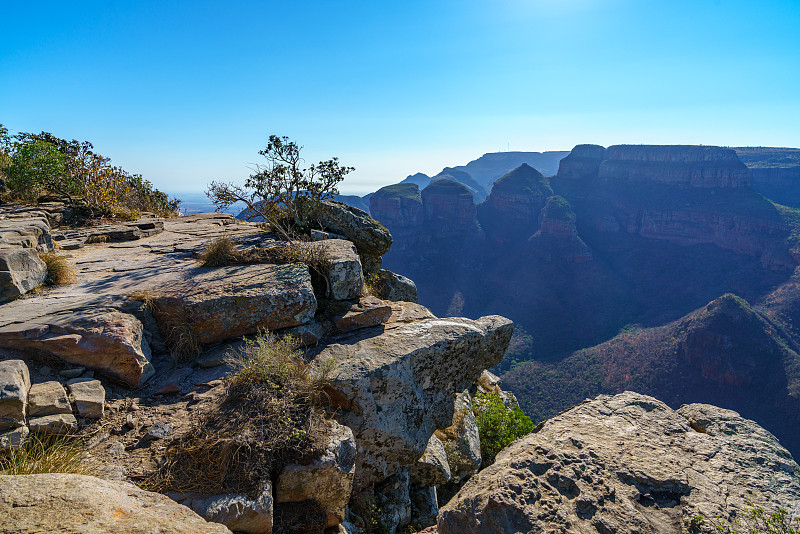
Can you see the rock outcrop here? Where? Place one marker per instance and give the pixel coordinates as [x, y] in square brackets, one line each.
[582, 162]
[103, 339]
[370, 238]
[77, 503]
[382, 384]
[623, 464]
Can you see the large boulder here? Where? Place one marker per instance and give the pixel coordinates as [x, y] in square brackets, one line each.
[395, 387]
[396, 287]
[20, 271]
[627, 463]
[345, 275]
[229, 302]
[103, 339]
[237, 511]
[371, 239]
[15, 381]
[83, 504]
[328, 479]
[432, 468]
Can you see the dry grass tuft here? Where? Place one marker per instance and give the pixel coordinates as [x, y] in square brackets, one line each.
[59, 272]
[269, 417]
[46, 454]
[221, 251]
[97, 239]
[143, 296]
[184, 343]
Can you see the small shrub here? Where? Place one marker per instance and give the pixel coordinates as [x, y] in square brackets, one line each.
[45, 454]
[497, 425]
[268, 417]
[59, 271]
[755, 521]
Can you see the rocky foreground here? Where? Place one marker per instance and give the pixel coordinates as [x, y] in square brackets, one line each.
[139, 346]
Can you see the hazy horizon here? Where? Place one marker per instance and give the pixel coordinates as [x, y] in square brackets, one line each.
[188, 93]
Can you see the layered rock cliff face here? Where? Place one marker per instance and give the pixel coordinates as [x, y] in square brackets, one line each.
[775, 172]
[683, 194]
[582, 162]
[399, 208]
[449, 209]
[687, 166]
[512, 209]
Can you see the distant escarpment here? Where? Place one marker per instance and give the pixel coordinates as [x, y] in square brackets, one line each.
[775, 172]
[684, 194]
[687, 166]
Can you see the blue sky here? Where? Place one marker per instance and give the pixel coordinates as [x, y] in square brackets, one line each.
[187, 92]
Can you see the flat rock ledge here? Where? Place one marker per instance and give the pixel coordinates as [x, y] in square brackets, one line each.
[103, 339]
[87, 505]
[627, 463]
[396, 387]
[227, 302]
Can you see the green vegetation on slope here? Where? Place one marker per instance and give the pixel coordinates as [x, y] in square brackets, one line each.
[42, 164]
[498, 426]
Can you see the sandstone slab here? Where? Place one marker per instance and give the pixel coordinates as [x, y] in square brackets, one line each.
[48, 398]
[396, 387]
[12, 439]
[87, 505]
[15, 381]
[62, 423]
[461, 440]
[21, 270]
[228, 302]
[89, 397]
[627, 463]
[366, 312]
[103, 339]
[237, 512]
[357, 226]
[328, 479]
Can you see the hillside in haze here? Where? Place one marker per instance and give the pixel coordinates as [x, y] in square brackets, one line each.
[613, 271]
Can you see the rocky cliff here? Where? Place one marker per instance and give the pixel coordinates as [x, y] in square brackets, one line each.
[399, 208]
[449, 209]
[557, 239]
[683, 194]
[139, 348]
[678, 165]
[512, 209]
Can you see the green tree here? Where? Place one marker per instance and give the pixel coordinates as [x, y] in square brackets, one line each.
[282, 191]
[36, 167]
[498, 425]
